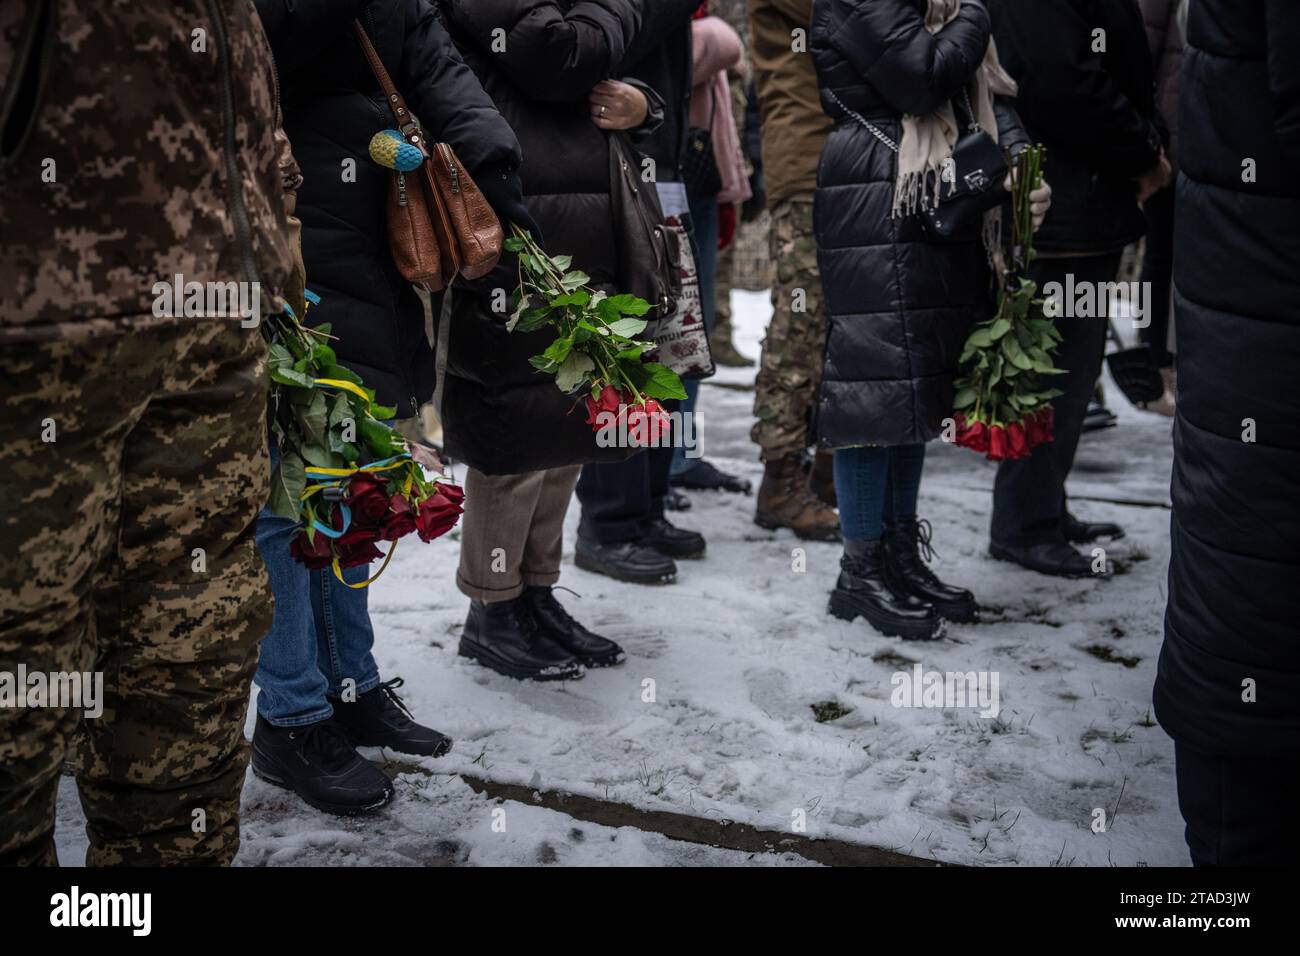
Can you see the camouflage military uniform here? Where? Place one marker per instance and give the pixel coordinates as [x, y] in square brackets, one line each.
[790, 370]
[132, 443]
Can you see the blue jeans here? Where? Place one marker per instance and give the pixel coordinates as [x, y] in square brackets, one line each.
[877, 486]
[704, 217]
[321, 635]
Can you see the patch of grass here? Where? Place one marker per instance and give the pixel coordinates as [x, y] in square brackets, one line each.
[892, 659]
[824, 711]
[1147, 721]
[1104, 653]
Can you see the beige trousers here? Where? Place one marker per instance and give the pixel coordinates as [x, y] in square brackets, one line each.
[512, 533]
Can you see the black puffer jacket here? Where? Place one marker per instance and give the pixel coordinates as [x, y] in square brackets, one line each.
[900, 304]
[1234, 574]
[500, 414]
[1094, 111]
[332, 107]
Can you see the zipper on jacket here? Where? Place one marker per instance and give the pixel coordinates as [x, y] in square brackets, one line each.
[234, 180]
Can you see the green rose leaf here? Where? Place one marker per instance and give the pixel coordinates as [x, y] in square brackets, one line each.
[573, 371]
[287, 486]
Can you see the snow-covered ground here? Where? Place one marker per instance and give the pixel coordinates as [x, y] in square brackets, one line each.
[739, 651]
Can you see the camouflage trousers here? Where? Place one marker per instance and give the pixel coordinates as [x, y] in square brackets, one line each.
[790, 370]
[132, 467]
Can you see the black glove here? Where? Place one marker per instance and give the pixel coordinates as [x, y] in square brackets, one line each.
[501, 187]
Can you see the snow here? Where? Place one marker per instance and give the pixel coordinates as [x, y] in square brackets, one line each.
[738, 651]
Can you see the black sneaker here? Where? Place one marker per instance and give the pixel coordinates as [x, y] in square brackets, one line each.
[505, 637]
[631, 561]
[703, 476]
[675, 542]
[317, 762]
[556, 623]
[379, 718]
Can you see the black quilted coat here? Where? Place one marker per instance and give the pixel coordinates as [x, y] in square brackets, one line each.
[500, 414]
[1234, 574]
[332, 106]
[900, 304]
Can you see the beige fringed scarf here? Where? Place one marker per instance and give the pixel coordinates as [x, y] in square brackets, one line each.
[927, 141]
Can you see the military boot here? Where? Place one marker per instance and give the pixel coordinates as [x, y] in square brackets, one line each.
[786, 501]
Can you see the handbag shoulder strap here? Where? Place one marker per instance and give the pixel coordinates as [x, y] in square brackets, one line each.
[871, 127]
[405, 121]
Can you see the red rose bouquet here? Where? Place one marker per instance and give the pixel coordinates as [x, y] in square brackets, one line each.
[596, 349]
[1003, 409]
[349, 479]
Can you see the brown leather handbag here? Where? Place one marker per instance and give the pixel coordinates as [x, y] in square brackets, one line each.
[439, 223]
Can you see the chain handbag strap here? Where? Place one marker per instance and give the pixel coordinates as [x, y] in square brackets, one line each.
[875, 131]
[864, 122]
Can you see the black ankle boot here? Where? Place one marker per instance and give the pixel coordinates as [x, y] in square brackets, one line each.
[862, 591]
[317, 762]
[505, 637]
[379, 718]
[557, 624]
[907, 549]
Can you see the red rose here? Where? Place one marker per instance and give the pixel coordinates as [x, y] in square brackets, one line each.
[645, 423]
[368, 498]
[315, 554]
[609, 401]
[401, 519]
[357, 547]
[439, 512]
[997, 443]
[1040, 426]
[1017, 445]
[973, 436]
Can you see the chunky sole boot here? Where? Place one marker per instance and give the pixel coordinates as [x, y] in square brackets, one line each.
[863, 591]
[850, 605]
[907, 549]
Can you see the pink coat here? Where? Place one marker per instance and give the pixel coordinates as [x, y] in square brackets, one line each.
[715, 50]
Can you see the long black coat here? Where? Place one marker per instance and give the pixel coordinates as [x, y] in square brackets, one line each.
[1234, 575]
[1094, 111]
[900, 305]
[332, 106]
[500, 414]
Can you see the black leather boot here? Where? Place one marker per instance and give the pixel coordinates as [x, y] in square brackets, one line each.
[591, 649]
[1086, 532]
[632, 561]
[317, 762]
[379, 718]
[862, 591]
[1049, 557]
[907, 549]
[666, 538]
[504, 636]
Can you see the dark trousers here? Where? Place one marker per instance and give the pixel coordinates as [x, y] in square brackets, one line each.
[1029, 493]
[619, 500]
[1158, 269]
[1239, 811]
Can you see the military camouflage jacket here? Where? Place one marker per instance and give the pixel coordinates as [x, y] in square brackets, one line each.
[137, 143]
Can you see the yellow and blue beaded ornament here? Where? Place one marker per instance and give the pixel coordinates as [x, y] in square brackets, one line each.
[388, 149]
